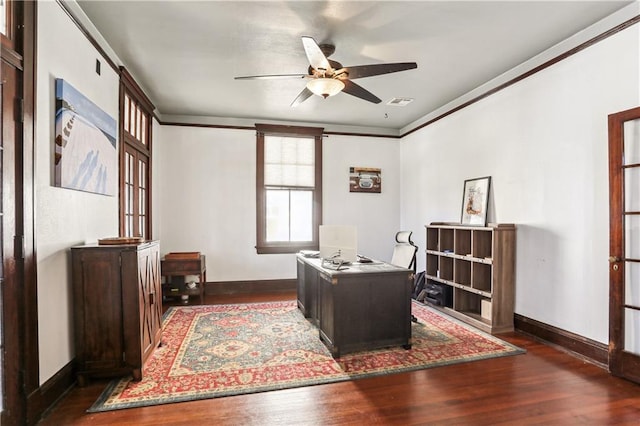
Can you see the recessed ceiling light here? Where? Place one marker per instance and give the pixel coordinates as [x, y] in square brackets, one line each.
[400, 101]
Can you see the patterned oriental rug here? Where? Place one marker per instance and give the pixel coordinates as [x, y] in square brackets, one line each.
[222, 350]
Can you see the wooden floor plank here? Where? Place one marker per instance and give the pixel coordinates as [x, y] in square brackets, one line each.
[543, 386]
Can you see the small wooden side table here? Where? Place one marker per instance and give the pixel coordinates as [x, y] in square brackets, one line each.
[183, 264]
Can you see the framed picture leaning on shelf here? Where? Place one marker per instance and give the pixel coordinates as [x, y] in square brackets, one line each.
[475, 199]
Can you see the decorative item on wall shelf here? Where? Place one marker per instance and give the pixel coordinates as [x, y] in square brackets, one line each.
[365, 179]
[475, 199]
[85, 146]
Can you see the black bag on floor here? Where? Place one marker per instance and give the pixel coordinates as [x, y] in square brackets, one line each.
[418, 285]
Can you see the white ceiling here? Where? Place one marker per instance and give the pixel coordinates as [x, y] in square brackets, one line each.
[185, 54]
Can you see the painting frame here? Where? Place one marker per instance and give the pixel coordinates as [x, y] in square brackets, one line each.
[365, 179]
[475, 201]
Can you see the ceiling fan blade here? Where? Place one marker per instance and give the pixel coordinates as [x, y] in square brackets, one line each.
[360, 71]
[314, 54]
[272, 77]
[359, 92]
[303, 96]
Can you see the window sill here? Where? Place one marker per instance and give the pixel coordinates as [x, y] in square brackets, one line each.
[280, 249]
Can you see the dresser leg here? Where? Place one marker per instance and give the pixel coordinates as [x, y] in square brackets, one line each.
[82, 380]
[137, 374]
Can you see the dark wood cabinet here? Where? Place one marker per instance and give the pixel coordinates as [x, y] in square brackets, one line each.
[117, 308]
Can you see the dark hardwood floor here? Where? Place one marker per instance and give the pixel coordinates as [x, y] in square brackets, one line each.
[544, 386]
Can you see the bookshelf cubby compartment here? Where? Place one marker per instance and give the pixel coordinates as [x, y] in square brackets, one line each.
[462, 272]
[462, 241]
[432, 239]
[445, 242]
[466, 303]
[481, 277]
[446, 268]
[432, 265]
[478, 264]
[482, 247]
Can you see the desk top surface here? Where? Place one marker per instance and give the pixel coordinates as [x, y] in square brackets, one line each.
[375, 267]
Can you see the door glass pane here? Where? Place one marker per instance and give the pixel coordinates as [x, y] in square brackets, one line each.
[631, 131]
[141, 227]
[143, 137]
[632, 284]
[632, 331]
[126, 113]
[632, 237]
[632, 189]
[277, 206]
[301, 215]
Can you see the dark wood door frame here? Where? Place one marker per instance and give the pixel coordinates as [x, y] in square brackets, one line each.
[621, 363]
[19, 299]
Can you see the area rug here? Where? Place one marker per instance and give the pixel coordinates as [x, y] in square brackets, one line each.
[221, 350]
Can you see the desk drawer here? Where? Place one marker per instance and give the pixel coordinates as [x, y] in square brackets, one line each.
[181, 266]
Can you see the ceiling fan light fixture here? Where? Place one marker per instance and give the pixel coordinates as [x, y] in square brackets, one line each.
[325, 87]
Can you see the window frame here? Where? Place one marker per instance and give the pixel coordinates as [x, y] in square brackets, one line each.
[140, 151]
[7, 38]
[262, 245]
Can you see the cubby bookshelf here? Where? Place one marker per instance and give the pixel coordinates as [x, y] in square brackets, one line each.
[479, 264]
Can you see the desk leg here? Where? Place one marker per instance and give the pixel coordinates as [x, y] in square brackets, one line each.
[203, 281]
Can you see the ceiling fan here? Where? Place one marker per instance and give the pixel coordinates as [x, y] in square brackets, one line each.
[327, 77]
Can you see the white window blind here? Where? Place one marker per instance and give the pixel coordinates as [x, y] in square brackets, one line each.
[289, 161]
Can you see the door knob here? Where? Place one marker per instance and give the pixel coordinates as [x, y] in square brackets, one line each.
[614, 259]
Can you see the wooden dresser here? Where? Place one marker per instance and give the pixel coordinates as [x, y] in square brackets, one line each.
[117, 308]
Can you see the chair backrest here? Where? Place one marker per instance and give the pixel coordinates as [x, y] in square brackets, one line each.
[404, 252]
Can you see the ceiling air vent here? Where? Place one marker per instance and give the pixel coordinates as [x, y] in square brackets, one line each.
[400, 101]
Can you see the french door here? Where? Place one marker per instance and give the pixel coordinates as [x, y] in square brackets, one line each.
[624, 267]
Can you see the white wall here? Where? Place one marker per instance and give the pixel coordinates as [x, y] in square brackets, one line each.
[64, 217]
[207, 201]
[377, 216]
[544, 142]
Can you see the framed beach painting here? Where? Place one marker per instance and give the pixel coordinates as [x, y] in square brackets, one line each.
[85, 147]
[475, 199]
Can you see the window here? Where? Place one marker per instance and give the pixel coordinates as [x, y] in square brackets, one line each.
[4, 11]
[288, 188]
[10, 12]
[135, 160]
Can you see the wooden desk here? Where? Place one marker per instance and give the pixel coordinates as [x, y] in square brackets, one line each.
[364, 307]
[183, 266]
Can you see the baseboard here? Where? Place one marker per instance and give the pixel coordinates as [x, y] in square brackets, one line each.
[592, 351]
[45, 397]
[236, 287]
